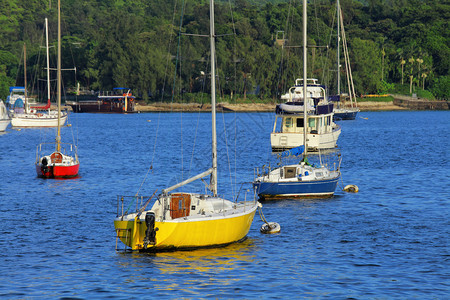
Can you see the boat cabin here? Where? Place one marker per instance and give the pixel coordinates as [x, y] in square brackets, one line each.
[314, 91]
[317, 124]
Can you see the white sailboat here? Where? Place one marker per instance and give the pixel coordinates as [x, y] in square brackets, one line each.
[62, 162]
[188, 220]
[34, 116]
[303, 179]
[341, 110]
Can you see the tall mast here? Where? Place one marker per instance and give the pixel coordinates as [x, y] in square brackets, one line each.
[305, 96]
[337, 47]
[48, 63]
[213, 99]
[25, 74]
[58, 135]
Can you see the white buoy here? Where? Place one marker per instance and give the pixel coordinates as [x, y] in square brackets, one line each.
[351, 188]
[270, 227]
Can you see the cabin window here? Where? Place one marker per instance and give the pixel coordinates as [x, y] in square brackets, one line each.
[300, 123]
[288, 122]
[312, 125]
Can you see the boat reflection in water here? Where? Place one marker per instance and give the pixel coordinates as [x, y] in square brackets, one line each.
[234, 256]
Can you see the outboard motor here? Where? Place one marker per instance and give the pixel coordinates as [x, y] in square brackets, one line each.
[44, 165]
[150, 233]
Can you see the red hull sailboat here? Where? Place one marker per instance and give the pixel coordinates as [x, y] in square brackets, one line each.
[57, 165]
[63, 161]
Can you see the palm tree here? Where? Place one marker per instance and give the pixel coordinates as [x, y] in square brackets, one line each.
[411, 60]
[402, 62]
[424, 75]
[419, 60]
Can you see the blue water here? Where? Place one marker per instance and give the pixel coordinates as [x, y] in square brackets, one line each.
[390, 240]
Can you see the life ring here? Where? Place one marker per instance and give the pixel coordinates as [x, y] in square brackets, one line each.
[39, 115]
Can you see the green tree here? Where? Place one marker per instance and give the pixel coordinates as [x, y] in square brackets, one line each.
[366, 68]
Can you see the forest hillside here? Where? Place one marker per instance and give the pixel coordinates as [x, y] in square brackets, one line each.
[144, 45]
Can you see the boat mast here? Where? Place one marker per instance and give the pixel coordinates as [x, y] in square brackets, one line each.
[58, 135]
[337, 47]
[25, 74]
[48, 63]
[213, 99]
[305, 96]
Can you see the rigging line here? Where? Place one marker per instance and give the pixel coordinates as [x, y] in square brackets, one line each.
[235, 74]
[325, 68]
[178, 51]
[18, 69]
[162, 98]
[169, 46]
[153, 156]
[344, 42]
[181, 144]
[36, 69]
[234, 46]
[195, 141]
[203, 88]
[228, 156]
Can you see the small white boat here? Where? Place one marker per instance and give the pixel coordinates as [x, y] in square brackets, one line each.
[37, 119]
[23, 114]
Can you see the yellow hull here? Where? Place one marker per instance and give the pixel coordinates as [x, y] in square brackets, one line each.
[181, 233]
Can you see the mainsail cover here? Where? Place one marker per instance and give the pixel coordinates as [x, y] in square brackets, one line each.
[293, 152]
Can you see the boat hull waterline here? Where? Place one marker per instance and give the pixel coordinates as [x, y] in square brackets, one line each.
[186, 233]
[57, 171]
[345, 114]
[275, 190]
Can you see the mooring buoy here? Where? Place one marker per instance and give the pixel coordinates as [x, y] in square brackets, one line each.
[351, 188]
[270, 227]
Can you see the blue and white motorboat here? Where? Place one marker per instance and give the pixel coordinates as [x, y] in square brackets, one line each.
[300, 180]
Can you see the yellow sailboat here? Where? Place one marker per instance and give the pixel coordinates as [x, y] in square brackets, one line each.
[187, 220]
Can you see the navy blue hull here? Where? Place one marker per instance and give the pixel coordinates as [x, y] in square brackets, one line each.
[345, 116]
[298, 189]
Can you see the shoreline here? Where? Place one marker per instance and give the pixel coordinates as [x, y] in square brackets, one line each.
[248, 107]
